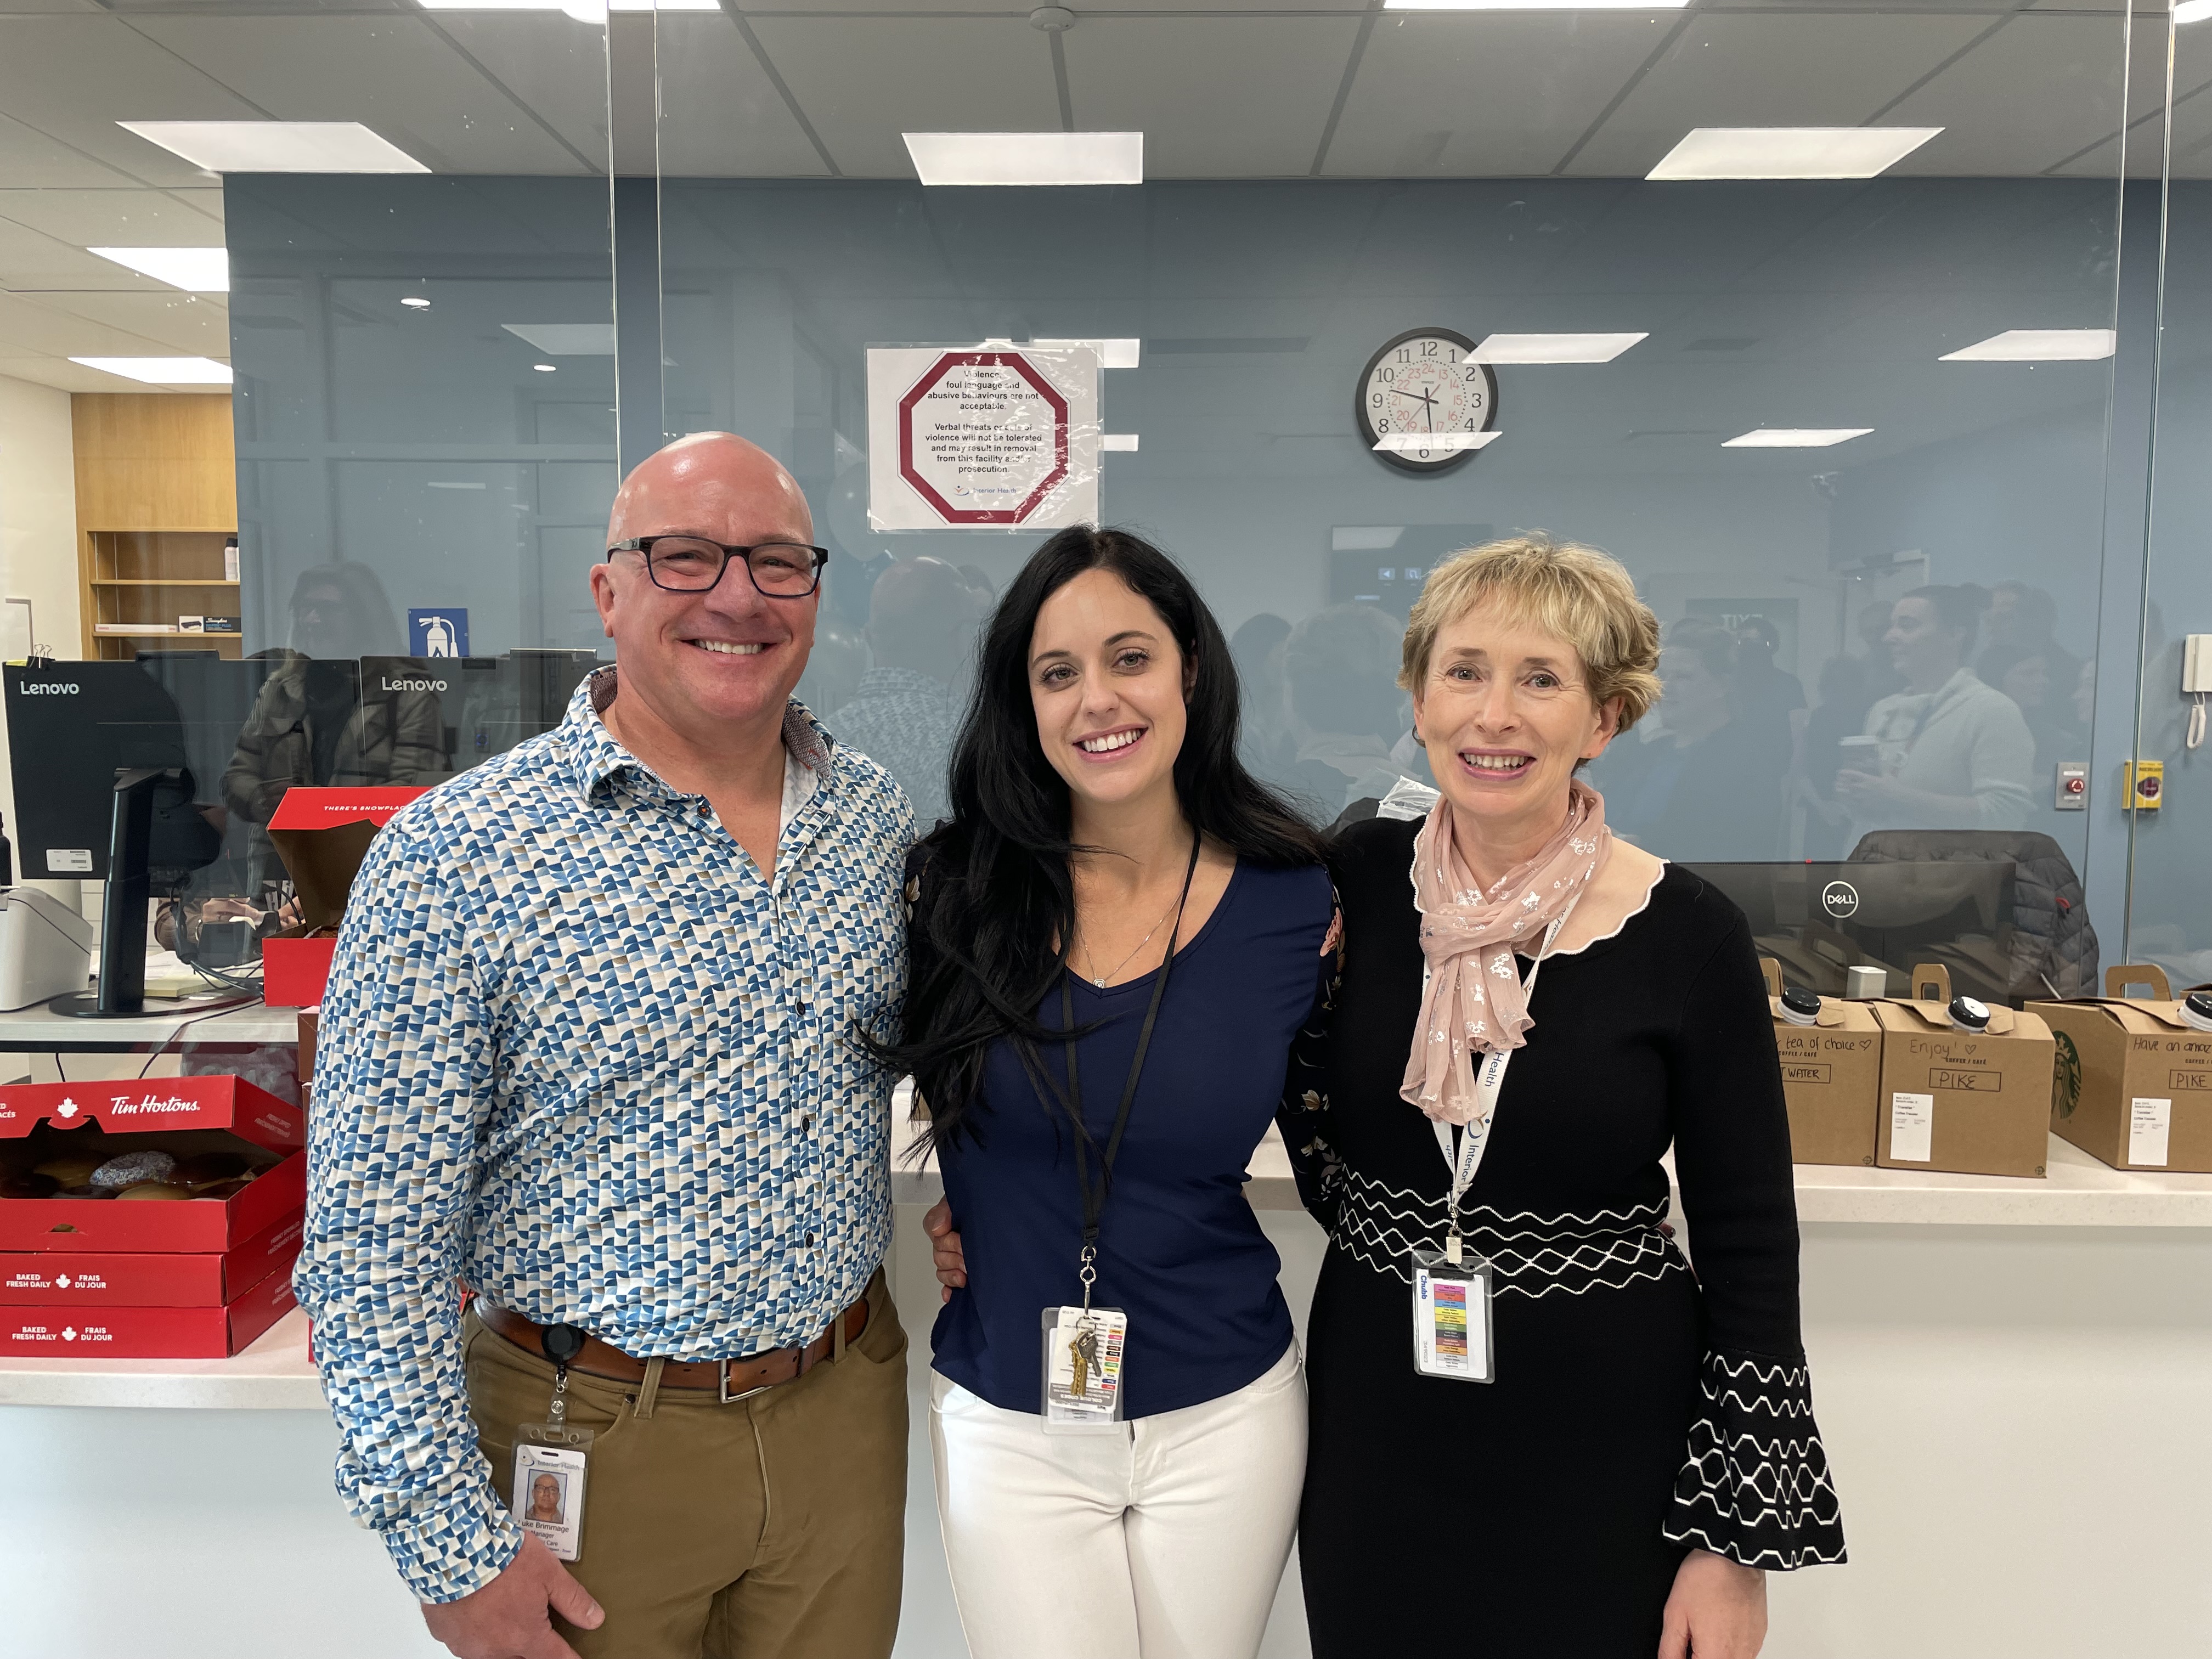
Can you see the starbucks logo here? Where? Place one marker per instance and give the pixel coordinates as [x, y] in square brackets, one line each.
[2065, 1076]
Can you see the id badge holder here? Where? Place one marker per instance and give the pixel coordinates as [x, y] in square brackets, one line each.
[1452, 1314]
[1083, 1353]
[552, 1460]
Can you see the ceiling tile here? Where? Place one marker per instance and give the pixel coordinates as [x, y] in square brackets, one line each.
[62, 374]
[394, 74]
[112, 218]
[1163, 76]
[195, 324]
[864, 81]
[722, 116]
[2033, 94]
[1503, 95]
[31, 259]
[73, 78]
[554, 65]
[1759, 70]
[31, 324]
[30, 158]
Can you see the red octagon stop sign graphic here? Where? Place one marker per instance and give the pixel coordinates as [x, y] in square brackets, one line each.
[980, 447]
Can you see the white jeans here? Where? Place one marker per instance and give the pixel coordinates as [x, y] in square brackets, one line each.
[1164, 1539]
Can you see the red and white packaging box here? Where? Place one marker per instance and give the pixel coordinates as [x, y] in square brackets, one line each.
[295, 964]
[153, 1278]
[191, 1114]
[145, 1333]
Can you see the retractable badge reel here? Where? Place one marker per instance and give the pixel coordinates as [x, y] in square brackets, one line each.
[552, 1458]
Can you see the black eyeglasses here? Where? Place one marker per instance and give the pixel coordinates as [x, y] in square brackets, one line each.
[692, 564]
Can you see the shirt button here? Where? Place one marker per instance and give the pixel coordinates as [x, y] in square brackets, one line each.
[810, 1241]
[806, 1123]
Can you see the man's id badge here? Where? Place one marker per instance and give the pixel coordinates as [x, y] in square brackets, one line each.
[1082, 1349]
[550, 1461]
[1452, 1317]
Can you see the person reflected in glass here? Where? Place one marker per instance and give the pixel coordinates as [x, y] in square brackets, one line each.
[1840, 713]
[1764, 696]
[1345, 707]
[1706, 788]
[921, 628]
[311, 724]
[1269, 745]
[1948, 751]
[1112, 941]
[1645, 1450]
[1876, 669]
[2023, 622]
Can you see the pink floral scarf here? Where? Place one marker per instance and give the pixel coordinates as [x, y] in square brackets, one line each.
[1472, 1000]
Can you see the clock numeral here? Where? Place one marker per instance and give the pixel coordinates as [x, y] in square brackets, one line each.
[1376, 400]
[1388, 373]
[1470, 373]
[1423, 454]
[1428, 347]
[1471, 425]
[1381, 426]
[1405, 355]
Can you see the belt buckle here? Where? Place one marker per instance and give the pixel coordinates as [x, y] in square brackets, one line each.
[722, 1373]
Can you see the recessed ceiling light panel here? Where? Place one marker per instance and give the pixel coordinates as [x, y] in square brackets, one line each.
[2038, 345]
[1790, 152]
[278, 146]
[566, 339]
[1796, 437]
[2192, 12]
[195, 270]
[1112, 354]
[1027, 158]
[162, 371]
[1554, 348]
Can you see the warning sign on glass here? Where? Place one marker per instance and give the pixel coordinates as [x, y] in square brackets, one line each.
[984, 437]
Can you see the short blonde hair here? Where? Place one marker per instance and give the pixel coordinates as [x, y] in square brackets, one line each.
[1583, 595]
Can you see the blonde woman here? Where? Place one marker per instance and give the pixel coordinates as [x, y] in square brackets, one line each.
[1603, 1452]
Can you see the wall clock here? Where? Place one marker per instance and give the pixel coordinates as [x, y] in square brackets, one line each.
[1424, 406]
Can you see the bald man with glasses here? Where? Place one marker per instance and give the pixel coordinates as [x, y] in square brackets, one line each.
[589, 1049]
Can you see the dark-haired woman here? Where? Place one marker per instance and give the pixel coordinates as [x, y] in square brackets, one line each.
[1113, 940]
[1948, 751]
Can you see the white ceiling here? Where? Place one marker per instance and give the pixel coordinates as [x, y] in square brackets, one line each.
[813, 88]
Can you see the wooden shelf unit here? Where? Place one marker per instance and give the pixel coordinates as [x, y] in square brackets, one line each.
[156, 500]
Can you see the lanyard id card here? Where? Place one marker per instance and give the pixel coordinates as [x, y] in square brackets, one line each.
[552, 1460]
[1085, 1348]
[1452, 1314]
[1082, 1349]
[1452, 1285]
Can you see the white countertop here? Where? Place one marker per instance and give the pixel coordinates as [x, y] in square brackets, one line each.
[2079, 1192]
[272, 1375]
[29, 1029]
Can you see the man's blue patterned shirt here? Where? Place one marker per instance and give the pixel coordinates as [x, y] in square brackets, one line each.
[578, 1054]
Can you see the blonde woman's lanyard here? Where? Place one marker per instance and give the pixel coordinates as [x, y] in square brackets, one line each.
[1488, 1080]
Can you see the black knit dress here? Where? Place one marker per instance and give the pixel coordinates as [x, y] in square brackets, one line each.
[1640, 1408]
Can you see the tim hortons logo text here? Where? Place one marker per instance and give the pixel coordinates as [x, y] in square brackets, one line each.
[124, 1106]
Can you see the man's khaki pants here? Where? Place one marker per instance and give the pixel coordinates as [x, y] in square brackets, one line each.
[771, 1528]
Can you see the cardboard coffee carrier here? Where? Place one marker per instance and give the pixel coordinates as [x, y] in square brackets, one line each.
[1970, 1102]
[322, 836]
[1831, 1074]
[2133, 1082]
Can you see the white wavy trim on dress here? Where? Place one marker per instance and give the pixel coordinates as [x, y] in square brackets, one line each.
[1567, 1254]
[1763, 1501]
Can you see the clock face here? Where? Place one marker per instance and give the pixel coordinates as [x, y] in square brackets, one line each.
[1424, 404]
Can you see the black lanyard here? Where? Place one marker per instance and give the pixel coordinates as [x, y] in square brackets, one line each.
[1094, 1193]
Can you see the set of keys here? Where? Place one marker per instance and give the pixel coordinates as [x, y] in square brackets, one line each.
[1083, 1354]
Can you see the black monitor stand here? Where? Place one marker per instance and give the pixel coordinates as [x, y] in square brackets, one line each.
[122, 992]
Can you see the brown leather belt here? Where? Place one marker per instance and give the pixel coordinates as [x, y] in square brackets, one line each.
[733, 1379]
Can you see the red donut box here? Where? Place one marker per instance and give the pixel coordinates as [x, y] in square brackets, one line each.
[215, 1113]
[70, 1279]
[145, 1333]
[295, 964]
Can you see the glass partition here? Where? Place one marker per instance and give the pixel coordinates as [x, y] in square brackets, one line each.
[2170, 892]
[1809, 317]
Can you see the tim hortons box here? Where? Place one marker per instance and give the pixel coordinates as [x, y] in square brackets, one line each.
[1831, 1054]
[322, 836]
[145, 1333]
[149, 1279]
[1971, 1101]
[2133, 1082]
[196, 1165]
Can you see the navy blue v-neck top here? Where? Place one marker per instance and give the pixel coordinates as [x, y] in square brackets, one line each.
[1179, 1248]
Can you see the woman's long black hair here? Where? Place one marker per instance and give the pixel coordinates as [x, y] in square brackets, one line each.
[995, 912]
